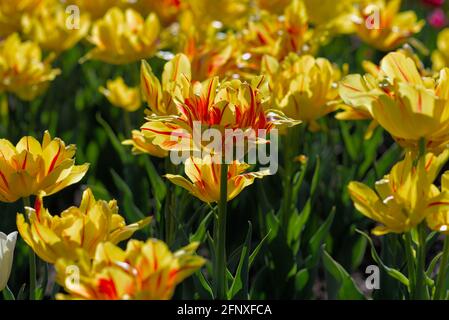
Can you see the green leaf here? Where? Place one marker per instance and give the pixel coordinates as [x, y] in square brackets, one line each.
[129, 206]
[432, 264]
[347, 289]
[204, 283]
[317, 240]
[396, 274]
[253, 255]
[117, 145]
[301, 279]
[7, 294]
[158, 186]
[200, 233]
[240, 283]
[21, 294]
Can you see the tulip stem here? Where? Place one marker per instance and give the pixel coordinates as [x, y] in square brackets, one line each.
[440, 291]
[410, 263]
[220, 237]
[421, 289]
[31, 257]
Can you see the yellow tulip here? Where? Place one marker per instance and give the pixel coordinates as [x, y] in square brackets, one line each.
[231, 105]
[48, 28]
[122, 37]
[333, 15]
[97, 9]
[31, 168]
[440, 57]
[380, 24]
[403, 198]
[273, 6]
[438, 218]
[231, 13]
[277, 36]
[83, 227]
[204, 175]
[161, 97]
[304, 87]
[166, 10]
[22, 70]
[410, 107]
[122, 96]
[140, 145]
[11, 13]
[144, 271]
[211, 53]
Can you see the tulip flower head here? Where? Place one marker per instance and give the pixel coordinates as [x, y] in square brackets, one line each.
[144, 271]
[48, 28]
[7, 246]
[140, 144]
[226, 107]
[22, 70]
[204, 175]
[11, 13]
[380, 24]
[98, 8]
[32, 168]
[403, 198]
[304, 88]
[83, 227]
[440, 57]
[409, 106]
[438, 218]
[160, 97]
[122, 37]
[122, 96]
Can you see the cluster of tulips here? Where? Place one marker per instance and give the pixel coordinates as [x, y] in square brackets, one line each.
[236, 66]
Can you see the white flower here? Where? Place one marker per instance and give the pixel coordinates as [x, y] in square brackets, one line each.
[7, 245]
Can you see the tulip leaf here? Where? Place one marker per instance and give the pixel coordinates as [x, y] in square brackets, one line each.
[347, 289]
[124, 157]
[200, 233]
[432, 264]
[21, 294]
[204, 283]
[317, 240]
[128, 199]
[253, 255]
[396, 274]
[301, 279]
[158, 186]
[239, 287]
[7, 294]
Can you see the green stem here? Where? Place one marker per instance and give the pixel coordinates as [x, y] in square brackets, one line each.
[220, 237]
[440, 291]
[31, 257]
[169, 210]
[410, 263]
[127, 122]
[421, 289]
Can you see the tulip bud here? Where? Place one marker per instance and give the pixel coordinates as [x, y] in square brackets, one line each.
[7, 245]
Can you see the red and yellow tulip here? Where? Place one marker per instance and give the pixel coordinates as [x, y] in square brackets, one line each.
[144, 271]
[380, 24]
[204, 175]
[83, 227]
[122, 37]
[122, 96]
[406, 104]
[404, 197]
[22, 70]
[32, 168]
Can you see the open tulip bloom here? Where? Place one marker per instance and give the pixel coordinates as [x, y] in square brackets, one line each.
[7, 246]
[224, 150]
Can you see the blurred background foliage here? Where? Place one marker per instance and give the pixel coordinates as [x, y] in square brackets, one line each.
[289, 264]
